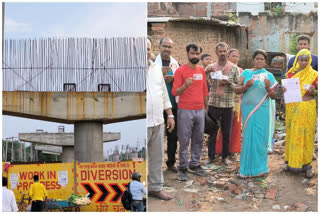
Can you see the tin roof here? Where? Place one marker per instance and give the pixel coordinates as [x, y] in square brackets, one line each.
[204, 20]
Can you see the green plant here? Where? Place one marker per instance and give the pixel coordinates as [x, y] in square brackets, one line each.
[278, 10]
[232, 17]
[293, 45]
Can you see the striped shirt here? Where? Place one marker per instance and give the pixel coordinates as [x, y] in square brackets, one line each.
[226, 100]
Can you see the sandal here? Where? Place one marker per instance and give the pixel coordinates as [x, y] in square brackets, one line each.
[241, 176]
[309, 173]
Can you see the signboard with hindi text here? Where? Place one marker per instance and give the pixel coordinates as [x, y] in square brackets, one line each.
[103, 182]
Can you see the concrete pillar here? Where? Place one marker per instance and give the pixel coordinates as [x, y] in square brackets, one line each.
[115, 158]
[133, 155]
[88, 141]
[67, 155]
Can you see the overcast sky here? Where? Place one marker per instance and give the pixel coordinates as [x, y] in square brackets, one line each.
[99, 20]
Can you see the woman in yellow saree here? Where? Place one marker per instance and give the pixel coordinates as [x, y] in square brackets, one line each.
[301, 116]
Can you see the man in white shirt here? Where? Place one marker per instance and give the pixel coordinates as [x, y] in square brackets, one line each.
[8, 199]
[157, 101]
[169, 65]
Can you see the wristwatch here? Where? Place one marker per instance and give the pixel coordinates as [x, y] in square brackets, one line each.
[170, 116]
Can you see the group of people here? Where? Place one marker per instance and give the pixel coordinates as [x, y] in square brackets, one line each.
[37, 193]
[243, 101]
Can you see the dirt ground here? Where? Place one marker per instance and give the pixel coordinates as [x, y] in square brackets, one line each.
[223, 191]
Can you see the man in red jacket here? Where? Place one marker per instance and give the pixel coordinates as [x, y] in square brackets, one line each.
[191, 85]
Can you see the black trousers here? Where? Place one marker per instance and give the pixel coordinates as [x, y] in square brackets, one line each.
[225, 116]
[172, 139]
[37, 206]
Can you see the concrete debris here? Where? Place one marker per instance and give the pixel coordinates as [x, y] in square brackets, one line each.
[286, 207]
[202, 181]
[300, 207]
[220, 199]
[188, 183]
[250, 185]
[276, 207]
[304, 181]
[310, 191]
[220, 184]
[192, 190]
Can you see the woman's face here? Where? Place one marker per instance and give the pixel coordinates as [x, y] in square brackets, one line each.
[259, 61]
[303, 62]
[234, 57]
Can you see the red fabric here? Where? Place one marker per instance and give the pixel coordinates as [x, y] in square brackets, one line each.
[314, 84]
[192, 97]
[235, 138]
[6, 166]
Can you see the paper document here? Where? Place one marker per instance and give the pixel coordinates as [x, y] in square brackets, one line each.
[259, 77]
[293, 93]
[218, 75]
[63, 178]
[14, 180]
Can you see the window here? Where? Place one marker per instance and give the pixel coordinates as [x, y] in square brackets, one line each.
[104, 87]
[69, 87]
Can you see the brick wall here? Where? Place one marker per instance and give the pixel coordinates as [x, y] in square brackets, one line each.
[272, 33]
[185, 9]
[191, 9]
[184, 33]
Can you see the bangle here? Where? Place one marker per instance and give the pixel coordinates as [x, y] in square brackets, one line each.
[170, 116]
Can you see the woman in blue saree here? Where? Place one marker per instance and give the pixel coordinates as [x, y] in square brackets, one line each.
[259, 87]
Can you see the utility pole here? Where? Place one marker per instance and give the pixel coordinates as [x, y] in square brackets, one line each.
[209, 10]
[36, 154]
[31, 153]
[2, 27]
[25, 152]
[12, 151]
[20, 153]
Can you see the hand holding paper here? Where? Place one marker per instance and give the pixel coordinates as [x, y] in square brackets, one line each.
[292, 93]
[218, 75]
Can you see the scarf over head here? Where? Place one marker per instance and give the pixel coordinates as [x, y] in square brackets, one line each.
[307, 75]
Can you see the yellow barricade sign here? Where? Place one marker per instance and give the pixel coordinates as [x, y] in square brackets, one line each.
[58, 178]
[103, 183]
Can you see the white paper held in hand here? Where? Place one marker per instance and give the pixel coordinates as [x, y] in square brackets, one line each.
[216, 75]
[293, 92]
[224, 77]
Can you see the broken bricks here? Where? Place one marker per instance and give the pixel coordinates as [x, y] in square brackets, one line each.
[300, 207]
[271, 194]
[202, 181]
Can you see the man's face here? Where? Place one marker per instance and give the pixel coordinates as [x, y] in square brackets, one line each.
[166, 48]
[148, 49]
[303, 44]
[194, 56]
[222, 53]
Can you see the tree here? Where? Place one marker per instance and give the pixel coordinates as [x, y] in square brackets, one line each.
[293, 47]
